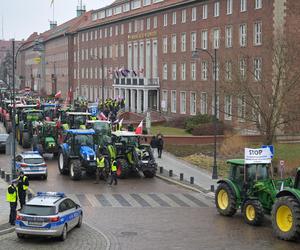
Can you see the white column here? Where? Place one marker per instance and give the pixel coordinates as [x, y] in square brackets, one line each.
[157, 100]
[138, 101]
[145, 100]
[133, 101]
[126, 99]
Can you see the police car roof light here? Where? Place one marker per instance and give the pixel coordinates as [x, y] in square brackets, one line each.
[51, 194]
[30, 152]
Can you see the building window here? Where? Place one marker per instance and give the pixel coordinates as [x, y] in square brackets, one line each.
[183, 71]
[258, 33]
[258, 4]
[110, 31]
[193, 71]
[165, 45]
[228, 108]
[164, 101]
[243, 35]
[228, 37]
[100, 34]
[122, 50]
[174, 43]
[193, 41]
[229, 7]
[183, 16]
[216, 9]
[165, 20]
[129, 64]
[146, 2]
[135, 4]
[257, 69]
[174, 71]
[203, 103]
[154, 59]
[165, 71]
[183, 42]
[105, 32]
[243, 6]
[136, 22]
[228, 73]
[217, 106]
[217, 71]
[130, 27]
[118, 10]
[194, 14]
[155, 22]
[243, 68]
[173, 101]
[109, 12]
[193, 103]
[216, 39]
[204, 70]
[148, 23]
[204, 11]
[96, 34]
[122, 29]
[204, 39]
[174, 18]
[182, 102]
[242, 108]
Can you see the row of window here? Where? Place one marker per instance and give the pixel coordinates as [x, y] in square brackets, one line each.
[228, 70]
[257, 38]
[92, 93]
[138, 25]
[205, 105]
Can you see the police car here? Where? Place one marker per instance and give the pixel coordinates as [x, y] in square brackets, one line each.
[48, 214]
[32, 164]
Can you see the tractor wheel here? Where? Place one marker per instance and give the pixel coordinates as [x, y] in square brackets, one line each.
[62, 163]
[75, 170]
[122, 169]
[286, 218]
[149, 173]
[225, 200]
[26, 142]
[8, 127]
[253, 212]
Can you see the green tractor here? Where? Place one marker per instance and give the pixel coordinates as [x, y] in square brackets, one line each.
[29, 121]
[46, 139]
[102, 130]
[75, 120]
[250, 188]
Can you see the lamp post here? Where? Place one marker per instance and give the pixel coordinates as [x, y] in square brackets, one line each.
[213, 57]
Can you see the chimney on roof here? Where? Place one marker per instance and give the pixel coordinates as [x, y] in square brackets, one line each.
[53, 24]
[80, 9]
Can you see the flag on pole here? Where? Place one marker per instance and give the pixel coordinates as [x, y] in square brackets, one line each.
[102, 117]
[52, 2]
[139, 129]
[58, 95]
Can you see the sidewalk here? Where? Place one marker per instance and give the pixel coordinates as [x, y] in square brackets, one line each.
[201, 177]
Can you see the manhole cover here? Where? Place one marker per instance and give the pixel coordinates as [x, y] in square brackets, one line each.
[128, 233]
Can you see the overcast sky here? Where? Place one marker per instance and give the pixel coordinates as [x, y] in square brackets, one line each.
[23, 17]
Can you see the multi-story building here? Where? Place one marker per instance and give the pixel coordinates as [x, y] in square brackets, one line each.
[141, 50]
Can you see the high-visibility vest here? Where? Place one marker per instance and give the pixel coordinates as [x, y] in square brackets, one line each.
[25, 187]
[112, 151]
[101, 162]
[12, 197]
[114, 166]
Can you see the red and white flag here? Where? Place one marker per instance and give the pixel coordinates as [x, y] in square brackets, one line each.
[58, 95]
[139, 129]
[102, 117]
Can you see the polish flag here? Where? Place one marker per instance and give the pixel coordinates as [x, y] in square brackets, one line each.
[58, 95]
[102, 117]
[139, 129]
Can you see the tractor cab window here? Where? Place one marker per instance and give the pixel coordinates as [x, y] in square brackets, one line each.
[84, 140]
[257, 172]
[237, 173]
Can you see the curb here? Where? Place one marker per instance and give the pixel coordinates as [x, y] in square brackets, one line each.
[209, 194]
[7, 231]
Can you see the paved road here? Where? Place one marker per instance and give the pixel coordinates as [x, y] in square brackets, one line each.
[148, 214]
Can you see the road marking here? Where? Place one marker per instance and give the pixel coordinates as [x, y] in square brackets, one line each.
[92, 199]
[123, 202]
[195, 200]
[150, 201]
[177, 200]
[186, 200]
[83, 200]
[103, 201]
[132, 201]
[160, 201]
[140, 200]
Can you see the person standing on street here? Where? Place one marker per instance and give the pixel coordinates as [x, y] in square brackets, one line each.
[100, 168]
[113, 173]
[160, 144]
[12, 198]
[23, 185]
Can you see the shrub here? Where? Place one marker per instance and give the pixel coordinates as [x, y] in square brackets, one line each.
[176, 123]
[193, 122]
[208, 129]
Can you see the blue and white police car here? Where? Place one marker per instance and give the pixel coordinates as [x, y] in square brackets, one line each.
[32, 164]
[48, 214]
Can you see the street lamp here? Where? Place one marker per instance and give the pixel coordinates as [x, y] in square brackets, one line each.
[195, 55]
[102, 76]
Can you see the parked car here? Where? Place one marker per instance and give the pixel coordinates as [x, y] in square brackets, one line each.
[32, 164]
[3, 140]
[48, 214]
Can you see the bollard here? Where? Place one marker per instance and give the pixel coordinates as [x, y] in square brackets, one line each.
[170, 173]
[181, 176]
[2, 174]
[161, 170]
[192, 180]
[7, 177]
[212, 188]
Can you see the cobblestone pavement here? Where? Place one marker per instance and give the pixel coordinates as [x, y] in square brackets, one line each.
[79, 238]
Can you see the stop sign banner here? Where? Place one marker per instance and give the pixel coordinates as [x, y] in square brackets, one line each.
[258, 155]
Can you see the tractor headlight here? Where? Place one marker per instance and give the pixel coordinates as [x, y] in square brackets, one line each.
[88, 157]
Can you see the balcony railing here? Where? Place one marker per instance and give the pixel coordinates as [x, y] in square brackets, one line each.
[137, 81]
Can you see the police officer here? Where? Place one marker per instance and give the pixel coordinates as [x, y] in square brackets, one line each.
[100, 168]
[12, 198]
[113, 173]
[23, 185]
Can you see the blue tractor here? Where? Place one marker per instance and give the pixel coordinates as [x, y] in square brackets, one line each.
[77, 154]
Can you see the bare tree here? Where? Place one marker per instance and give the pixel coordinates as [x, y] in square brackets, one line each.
[271, 94]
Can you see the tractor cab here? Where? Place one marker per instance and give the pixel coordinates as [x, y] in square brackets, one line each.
[50, 110]
[102, 129]
[77, 120]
